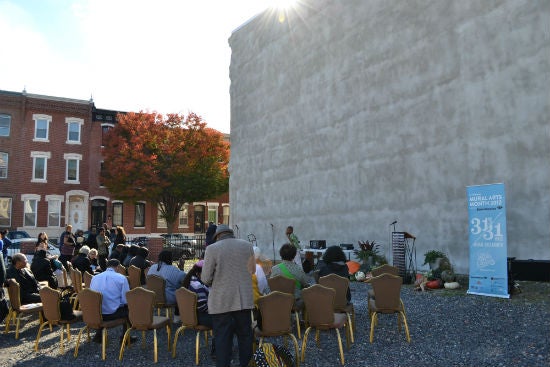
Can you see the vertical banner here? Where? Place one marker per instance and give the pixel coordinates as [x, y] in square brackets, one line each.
[488, 247]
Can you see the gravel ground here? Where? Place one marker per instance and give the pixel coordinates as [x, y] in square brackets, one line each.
[448, 328]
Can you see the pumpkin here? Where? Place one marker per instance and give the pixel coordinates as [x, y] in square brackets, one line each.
[452, 285]
[433, 284]
[353, 266]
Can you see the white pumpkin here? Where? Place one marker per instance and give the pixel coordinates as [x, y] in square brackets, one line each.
[451, 285]
[360, 276]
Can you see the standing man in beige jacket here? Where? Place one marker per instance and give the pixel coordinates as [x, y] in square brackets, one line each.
[228, 268]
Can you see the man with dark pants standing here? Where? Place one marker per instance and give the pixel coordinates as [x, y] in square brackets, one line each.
[228, 268]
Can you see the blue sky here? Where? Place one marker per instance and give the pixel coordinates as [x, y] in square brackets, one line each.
[129, 55]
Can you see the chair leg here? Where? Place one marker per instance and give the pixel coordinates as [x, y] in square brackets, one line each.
[8, 321]
[372, 322]
[123, 344]
[78, 340]
[181, 329]
[103, 343]
[340, 346]
[17, 322]
[61, 340]
[155, 345]
[197, 346]
[297, 316]
[168, 334]
[296, 349]
[406, 327]
[39, 333]
[350, 325]
[304, 343]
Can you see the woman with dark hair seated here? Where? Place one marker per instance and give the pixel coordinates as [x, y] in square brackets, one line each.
[171, 274]
[334, 261]
[289, 269]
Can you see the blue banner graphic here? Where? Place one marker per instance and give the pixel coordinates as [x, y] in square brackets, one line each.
[488, 246]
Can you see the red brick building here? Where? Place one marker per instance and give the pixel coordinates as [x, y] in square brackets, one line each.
[50, 164]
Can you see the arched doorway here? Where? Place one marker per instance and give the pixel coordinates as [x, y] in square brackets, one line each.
[99, 212]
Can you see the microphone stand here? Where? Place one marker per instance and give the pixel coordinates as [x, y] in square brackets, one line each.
[273, 243]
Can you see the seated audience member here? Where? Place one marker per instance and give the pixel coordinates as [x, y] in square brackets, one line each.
[43, 269]
[81, 261]
[132, 251]
[94, 264]
[334, 262]
[117, 252]
[289, 269]
[259, 279]
[28, 285]
[113, 286]
[171, 274]
[192, 281]
[140, 261]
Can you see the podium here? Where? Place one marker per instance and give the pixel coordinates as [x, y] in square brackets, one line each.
[404, 255]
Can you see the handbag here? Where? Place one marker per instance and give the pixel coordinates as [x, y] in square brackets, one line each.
[66, 307]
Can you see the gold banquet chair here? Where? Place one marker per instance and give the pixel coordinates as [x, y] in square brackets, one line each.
[158, 285]
[134, 276]
[341, 305]
[276, 313]
[90, 304]
[387, 288]
[16, 310]
[187, 304]
[51, 300]
[141, 303]
[286, 285]
[319, 306]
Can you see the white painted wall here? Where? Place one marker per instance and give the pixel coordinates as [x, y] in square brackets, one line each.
[352, 114]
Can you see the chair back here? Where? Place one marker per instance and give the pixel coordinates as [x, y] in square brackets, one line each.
[141, 302]
[157, 284]
[65, 277]
[281, 284]
[386, 268]
[87, 279]
[134, 276]
[187, 305]
[50, 304]
[14, 293]
[276, 309]
[319, 303]
[340, 285]
[77, 280]
[387, 288]
[90, 303]
[121, 269]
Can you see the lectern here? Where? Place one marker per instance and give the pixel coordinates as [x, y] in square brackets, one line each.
[404, 255]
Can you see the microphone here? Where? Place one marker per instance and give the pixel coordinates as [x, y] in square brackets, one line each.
[236, 226]
[271, 224]
[392, 223]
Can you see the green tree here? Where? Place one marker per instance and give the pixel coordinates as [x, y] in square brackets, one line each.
[166, 160]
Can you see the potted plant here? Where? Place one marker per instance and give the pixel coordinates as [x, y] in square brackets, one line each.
[368, 254]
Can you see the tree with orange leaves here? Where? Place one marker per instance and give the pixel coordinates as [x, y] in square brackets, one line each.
[168, 160]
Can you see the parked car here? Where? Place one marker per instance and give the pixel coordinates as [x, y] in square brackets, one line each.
[18, 237]
[182, 246]
[139, 241]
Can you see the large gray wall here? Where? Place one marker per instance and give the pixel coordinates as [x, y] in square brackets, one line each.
[351, 114]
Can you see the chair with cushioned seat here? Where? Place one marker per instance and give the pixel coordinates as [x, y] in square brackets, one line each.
[51, 299]
[387, 288]
[141, 304]
[90, 303]
[319, 306]
[187, 304]
[16, 309]
[282, 284]
[134, 276]
[158, 285]
[276, 314]
[341, 305]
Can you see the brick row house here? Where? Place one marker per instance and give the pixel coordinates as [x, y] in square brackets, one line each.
[50, 164]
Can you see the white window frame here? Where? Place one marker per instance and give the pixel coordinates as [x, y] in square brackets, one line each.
[7, 118]
[103, 125]
[70, 157]
[183, 218]
[161, 222]
[5, 208]
[139, 203]
[212, 207]
[28, 199]
[224, 208]
[118, 203]
[36, 118]
[40, 155]
[4, 171]
[53, 201]
[71, 121]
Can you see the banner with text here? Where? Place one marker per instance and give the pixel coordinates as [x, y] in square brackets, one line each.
[488, 247]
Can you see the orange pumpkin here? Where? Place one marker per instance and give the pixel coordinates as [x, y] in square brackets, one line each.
[433, 284]
[353, 266]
